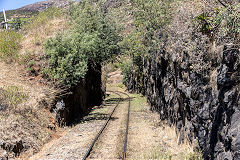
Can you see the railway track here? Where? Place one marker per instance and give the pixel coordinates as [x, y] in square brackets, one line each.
[106, 123]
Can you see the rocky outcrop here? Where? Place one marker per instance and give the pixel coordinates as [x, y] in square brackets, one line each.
[192, 80]
[204, 107]
[88, 93]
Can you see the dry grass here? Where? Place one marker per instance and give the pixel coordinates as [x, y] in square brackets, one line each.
[35, 37]
[24, 116]
[26, 120]
[44, 26]
[26, 123]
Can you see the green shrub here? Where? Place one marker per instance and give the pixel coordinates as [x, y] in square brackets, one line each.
[126, 71]
[25, 58]
[30, 66]
[221, 24]
[227, 22]
[66, 64]
[134, 47]
[93, 39]
[150, 18]
[9, 45]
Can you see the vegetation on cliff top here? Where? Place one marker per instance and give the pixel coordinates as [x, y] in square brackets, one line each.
[23, 100]
[150, 19]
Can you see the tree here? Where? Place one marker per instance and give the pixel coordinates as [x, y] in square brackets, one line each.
[92, 40]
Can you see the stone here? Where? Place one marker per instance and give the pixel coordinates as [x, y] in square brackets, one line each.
[193, 102]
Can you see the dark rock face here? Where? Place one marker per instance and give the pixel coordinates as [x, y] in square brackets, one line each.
[204, 106]
[14, 147]
[83, 97]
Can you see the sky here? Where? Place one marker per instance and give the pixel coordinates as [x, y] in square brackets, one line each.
[14, 4]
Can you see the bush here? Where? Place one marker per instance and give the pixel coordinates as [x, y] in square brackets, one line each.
[150, 17]
[134, 47]
[9, 45]
[126, 71]
[66, 64]
[221, 24]
[92, 40]
[227, 22]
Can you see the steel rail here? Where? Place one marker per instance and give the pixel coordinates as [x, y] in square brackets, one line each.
[104, 126]
[127, 127]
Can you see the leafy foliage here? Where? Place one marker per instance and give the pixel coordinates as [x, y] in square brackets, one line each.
[126, 71]
[93, 39]
[228, 22]
[222, 24]
[150, 17]
[206, 23]
[66, 64]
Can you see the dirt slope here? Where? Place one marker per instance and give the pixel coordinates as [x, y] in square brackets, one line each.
[15, 75]
[24, 121]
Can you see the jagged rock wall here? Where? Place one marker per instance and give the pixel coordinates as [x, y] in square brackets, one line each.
[83, 97]
[204, 107]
